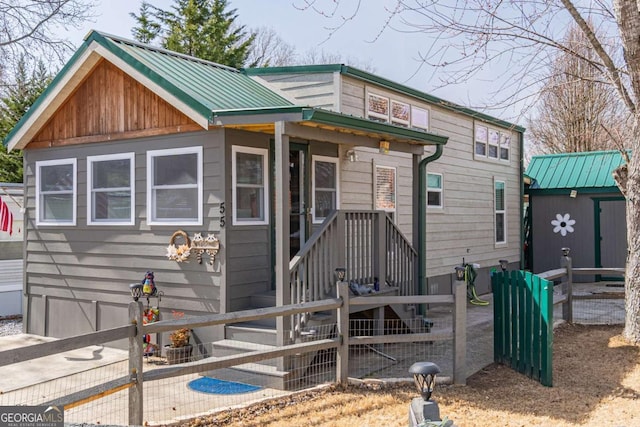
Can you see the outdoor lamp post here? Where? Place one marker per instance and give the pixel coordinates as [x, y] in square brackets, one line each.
[504, 264]
[136, 290]
[459, 273]
[565, 251]
[340, 274]
[424, 377]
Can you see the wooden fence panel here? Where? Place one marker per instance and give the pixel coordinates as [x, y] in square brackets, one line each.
[523, 315]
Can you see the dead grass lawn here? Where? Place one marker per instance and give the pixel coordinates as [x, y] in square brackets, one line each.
[596, 383]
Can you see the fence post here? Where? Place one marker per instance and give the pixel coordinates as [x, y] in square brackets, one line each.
[460, 333]
[567, 306]
[342, 362]
[136, 352]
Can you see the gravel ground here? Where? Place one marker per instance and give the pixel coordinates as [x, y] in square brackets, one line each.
[10, 326]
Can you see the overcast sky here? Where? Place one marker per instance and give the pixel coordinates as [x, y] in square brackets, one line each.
[392, 54]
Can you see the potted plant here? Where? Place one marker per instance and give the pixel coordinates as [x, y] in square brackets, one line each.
[179, 351]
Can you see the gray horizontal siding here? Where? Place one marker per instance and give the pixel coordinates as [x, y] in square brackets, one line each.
[315, 90]
[248, 258]
[74, 266]
[468, 188]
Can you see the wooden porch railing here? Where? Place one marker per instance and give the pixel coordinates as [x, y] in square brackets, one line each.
[367, 243]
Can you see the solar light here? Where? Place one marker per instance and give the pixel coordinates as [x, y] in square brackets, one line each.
[136, 290]
[565, 251]
[424, 377]
[340, 273]
[459, 273]
[504, 264]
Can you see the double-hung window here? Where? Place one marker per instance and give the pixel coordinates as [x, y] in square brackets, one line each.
[111, 189]
[500, 212]
[249, 189]
[56, 192]
[434, 190]
[325, 187]
[174, 186]
[385, 188]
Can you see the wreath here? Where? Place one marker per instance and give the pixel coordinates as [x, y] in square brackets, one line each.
[179, 253]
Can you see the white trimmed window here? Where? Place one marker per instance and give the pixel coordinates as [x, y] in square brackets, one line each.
[494, 143]
[434, 190]
[419, 118]
[174, 186]
[377, 108]
[400, 113]
[481, 135]
[385, 188]
[111, 189]
[249, 188]
[505, 146]
[325, 187]
[56, 192]
[500, 212]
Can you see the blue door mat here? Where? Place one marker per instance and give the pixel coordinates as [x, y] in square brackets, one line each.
[216, 386]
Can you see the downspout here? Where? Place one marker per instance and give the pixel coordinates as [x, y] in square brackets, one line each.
[422, 219]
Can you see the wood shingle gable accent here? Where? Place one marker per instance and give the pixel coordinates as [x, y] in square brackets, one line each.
[110, 105]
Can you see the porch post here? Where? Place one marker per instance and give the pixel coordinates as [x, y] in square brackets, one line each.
[281, 206]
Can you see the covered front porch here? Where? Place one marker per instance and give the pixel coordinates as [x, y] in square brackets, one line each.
[368, 243]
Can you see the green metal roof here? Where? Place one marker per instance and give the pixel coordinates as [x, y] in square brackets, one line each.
[213, 86]
[203, 86]
[574, 170]
[381, 81]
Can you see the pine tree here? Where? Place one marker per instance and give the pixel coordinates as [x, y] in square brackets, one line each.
[147, 29]
[19, 98]
[201, 28]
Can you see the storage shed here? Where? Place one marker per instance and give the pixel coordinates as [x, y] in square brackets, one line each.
[574, 202]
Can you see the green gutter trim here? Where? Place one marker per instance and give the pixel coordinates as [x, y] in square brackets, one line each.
[567, 191]
[381, 81]
[337, 119]
[422, 220]
[320, 68]
[255, 111]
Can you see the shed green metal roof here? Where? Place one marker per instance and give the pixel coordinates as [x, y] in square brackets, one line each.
[574, 170]
[381, 81]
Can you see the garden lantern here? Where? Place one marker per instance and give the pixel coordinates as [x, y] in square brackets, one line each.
[424, 377]
[459, 273]
[341, 273]
[136, 290]
[504, 264]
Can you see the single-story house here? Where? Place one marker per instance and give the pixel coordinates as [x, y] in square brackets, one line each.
[275, 177]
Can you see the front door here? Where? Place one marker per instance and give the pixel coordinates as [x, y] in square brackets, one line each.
[298, 197]
[610, 233]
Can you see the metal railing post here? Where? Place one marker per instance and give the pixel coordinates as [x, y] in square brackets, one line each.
[460, 333]
[136, 352]
[567, 306]
[342, 362]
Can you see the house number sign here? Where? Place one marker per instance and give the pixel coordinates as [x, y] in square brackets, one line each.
[222, 219]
